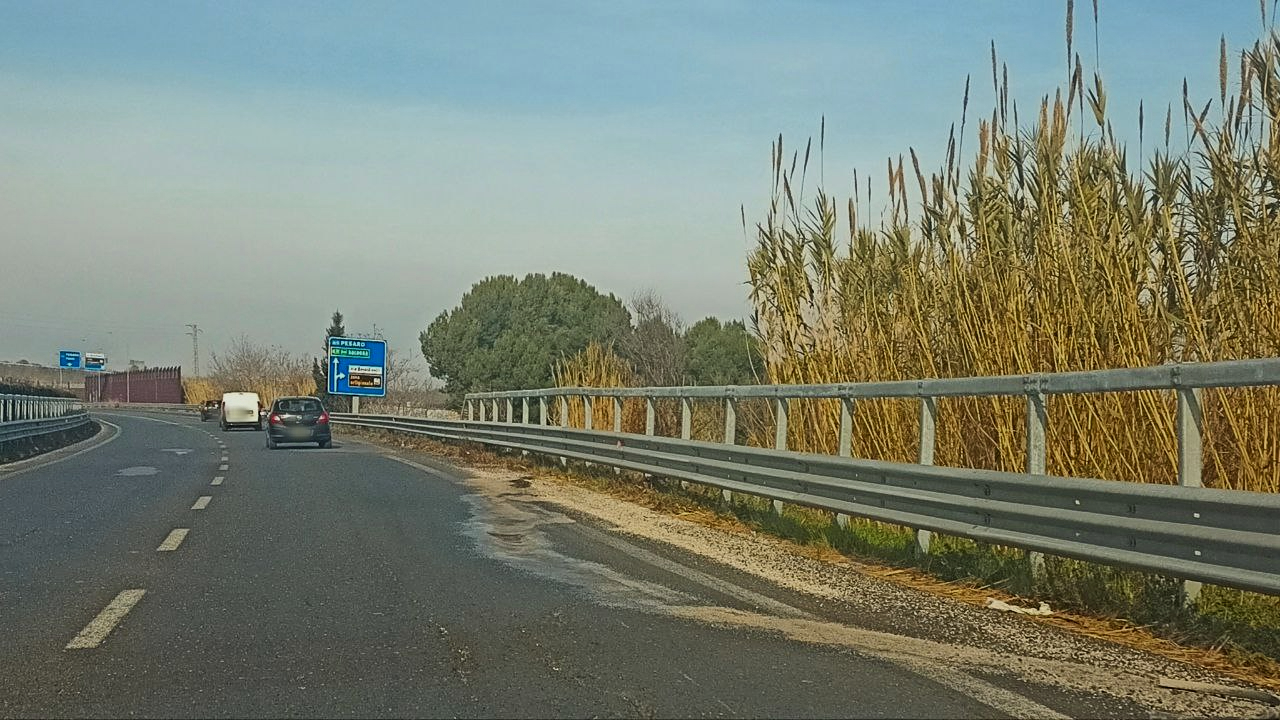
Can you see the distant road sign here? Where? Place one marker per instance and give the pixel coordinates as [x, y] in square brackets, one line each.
[357, 367]
[96, 362]
[69, 359]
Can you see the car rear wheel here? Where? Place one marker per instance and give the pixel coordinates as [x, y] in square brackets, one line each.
[325, 444]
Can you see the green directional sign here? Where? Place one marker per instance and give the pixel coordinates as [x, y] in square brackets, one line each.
[357, 366]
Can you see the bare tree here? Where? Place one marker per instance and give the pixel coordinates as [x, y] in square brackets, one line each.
[269, 371]
[655, 347]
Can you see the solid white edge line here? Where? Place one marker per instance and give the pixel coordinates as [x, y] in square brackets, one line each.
[202, 502]
[97, 630]
[173, 539]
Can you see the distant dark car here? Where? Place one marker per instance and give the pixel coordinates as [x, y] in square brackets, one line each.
[298, 420]
[209, 410]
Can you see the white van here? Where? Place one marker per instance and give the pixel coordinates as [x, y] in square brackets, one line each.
[240, 409]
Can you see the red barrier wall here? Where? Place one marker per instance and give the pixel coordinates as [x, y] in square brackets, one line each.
[154, 385]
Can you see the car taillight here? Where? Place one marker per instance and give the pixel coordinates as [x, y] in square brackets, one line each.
[275, 419]
[324, 418]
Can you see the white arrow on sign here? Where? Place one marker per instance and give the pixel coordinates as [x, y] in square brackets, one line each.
[340, 375]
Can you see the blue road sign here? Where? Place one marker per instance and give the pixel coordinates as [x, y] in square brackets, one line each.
[69, 359]
[357, 367]
[96, 362]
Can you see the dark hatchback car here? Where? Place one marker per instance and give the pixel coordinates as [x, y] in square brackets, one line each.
[209, 410]
[298, 420]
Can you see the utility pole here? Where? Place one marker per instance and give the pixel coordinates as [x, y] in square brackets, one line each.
[194, 332]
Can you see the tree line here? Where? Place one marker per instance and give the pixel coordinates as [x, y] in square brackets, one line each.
[508, 334]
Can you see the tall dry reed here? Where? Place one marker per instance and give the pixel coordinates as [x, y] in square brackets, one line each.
[1050, 247]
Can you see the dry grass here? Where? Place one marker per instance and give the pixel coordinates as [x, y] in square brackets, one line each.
[197, 390]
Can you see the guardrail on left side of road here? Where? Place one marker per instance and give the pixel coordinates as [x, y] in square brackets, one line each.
[28, 416]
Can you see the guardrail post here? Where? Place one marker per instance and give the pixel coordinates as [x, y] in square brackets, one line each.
[564, 422]
[471, 414]
[588, 416]
[494, 408]
[1037, 419]
[1190, 421]
[686, 427]
[846, 427]
[483, 409]
[511, 411]
[730, 434]
[845, 446]
[924, 456]
[781, 407]
[524, 418]
[542, 410]
[650, 420]
[617, 426]
[781, 410]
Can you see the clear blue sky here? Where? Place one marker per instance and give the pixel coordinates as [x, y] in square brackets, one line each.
[250, 166]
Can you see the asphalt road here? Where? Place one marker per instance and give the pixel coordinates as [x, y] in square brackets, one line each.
[343, 582]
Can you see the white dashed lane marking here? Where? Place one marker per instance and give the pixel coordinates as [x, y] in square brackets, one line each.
[217, 480]
[202, 502]
[174, 539]
[223, 467]
[97, 630]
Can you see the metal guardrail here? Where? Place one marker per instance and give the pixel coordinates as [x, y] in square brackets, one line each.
[1216, 536]
[1233, 373]
[28, 416]
[1027, 522]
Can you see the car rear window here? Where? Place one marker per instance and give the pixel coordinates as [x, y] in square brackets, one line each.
[299, 405]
